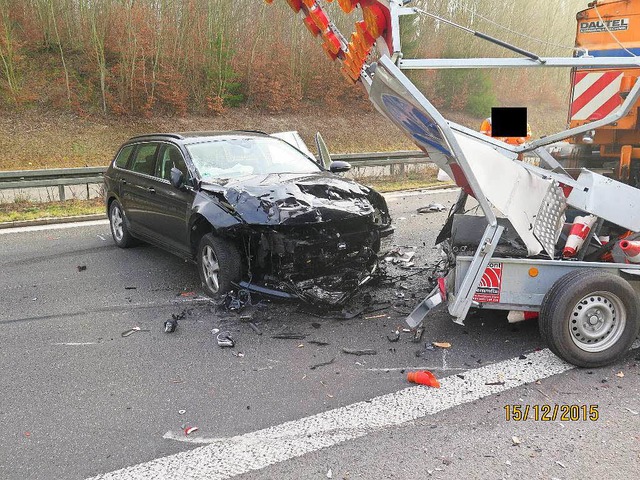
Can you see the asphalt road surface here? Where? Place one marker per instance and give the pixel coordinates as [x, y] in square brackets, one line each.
[77, 399]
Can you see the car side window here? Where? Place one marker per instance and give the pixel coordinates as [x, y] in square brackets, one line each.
[123, 156]
[144, 160]
[170, 157]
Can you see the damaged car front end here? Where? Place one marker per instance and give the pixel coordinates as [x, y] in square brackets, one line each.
[257, 213]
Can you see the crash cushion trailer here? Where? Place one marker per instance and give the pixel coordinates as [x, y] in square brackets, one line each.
[588, 307]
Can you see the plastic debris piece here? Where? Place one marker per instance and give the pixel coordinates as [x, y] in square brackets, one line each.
[133, 330]
[82, 268]
[224, 340]
[329, 474]
[187, 294]
[215, 331]
[561, 464]
[367, 351]
[255, 328]
[424, 377]
[515, 440]
[395, 337]
[170, 326]
[290, 336]
[130, 288]
[237, 354]
[322, 364]
[319, 343]
[417, 335]
[620, 375]
[432, 207]
[181, 412]
[188, 430]
[631, 411]
[441, 344]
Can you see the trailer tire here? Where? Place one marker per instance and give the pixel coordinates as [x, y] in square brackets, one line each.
[590, 318]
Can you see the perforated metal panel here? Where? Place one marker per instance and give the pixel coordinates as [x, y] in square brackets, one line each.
[550, 219]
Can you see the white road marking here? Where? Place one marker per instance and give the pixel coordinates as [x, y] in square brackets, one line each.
[227, 457]
[75, 344]
[56, 226]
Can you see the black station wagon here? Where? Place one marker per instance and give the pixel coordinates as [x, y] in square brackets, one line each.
[251, 210]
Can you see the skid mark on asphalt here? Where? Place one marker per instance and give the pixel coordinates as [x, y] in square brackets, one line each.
[227, 457]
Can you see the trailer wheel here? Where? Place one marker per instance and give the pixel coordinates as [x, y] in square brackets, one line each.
[589, 318]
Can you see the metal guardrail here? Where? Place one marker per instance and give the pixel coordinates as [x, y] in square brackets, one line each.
[60, 177]
[55, 177]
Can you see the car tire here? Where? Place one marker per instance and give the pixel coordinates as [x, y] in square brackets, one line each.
[590, 318]
[219, 264]
[118, 224]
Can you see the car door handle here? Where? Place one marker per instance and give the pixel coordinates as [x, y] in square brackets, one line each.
[151, 190]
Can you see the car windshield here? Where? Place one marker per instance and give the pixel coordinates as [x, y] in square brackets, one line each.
[239, 156]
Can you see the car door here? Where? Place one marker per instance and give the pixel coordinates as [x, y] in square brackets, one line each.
[169, 217]
[138, 187]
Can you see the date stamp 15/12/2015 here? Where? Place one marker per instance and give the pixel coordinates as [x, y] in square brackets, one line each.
[551, 413]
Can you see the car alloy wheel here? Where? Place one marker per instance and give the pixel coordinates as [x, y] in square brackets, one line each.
[211, 268]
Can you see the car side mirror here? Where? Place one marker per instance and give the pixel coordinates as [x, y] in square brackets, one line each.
[177, 178]
[339, 166]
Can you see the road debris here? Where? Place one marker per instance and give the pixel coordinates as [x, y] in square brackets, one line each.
[318, 343]
[133, 330]
[368, 351]
[375, 316]
[215, 331]
[424, 377]
[224, 340]
[399, 256]
[170, 325]
[255, 328]
[237, 301]
[329, 474]
[81, 268]
[315, 325]
[130, 288]
[188, 430]
[432, 207]
[441, 344]
[561, 464]
[395, 337]
[633, 412]
[322, 364]
[237, 354]
[515, 440]
[289, 336]
[499, 382]
[187, 294]
[417, 335]
[181, 412]
[620, 375]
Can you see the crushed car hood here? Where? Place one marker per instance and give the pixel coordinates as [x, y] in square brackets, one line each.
[293, 199]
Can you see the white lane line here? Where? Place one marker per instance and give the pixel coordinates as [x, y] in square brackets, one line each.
[75, 344]
[56, 226]
[228, 457]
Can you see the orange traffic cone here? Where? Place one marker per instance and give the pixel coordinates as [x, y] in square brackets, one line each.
[424, 378]
[579, 231]
[631, 250]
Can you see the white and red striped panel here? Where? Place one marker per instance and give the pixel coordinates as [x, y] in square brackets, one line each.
[595, 95]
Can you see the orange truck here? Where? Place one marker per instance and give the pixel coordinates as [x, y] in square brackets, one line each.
[607, 28]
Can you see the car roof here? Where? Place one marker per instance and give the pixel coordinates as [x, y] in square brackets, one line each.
[188, 137]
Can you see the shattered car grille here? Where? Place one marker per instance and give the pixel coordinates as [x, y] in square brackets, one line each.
[316, 262]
